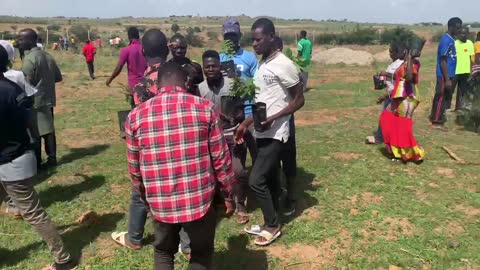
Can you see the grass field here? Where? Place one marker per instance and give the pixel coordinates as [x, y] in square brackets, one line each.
[357, 210]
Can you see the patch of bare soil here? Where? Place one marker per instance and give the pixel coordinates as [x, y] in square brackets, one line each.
[389, 229]
[343, 55]
[365, 199]
[309, 118]
[313, 256]
[311, 214]
[347, 155]
[449, 173]
[452, 229]
[469, 211]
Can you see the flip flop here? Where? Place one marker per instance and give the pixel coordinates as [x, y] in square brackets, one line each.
[254, 229]
[121, 239]
[267, 236]
[242, 218]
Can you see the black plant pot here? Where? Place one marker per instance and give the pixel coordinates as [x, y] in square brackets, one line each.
[379, 82]
[122, 117]
[259, 116]
[417, 47]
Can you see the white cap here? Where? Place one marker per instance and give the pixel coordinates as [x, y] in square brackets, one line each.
[9, 48]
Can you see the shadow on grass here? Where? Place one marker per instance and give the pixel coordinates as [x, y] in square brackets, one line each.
[76, 238]
[239, 257]
[303, 183]
[79, 153]
[68, 193]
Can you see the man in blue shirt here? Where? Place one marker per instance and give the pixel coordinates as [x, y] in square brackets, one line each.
[446, 67]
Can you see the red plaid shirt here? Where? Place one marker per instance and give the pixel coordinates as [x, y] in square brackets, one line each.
[177, 154]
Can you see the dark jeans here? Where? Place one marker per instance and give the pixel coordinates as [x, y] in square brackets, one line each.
[202, 236]
[264, 178]
[91, 70]
[463, 88]
[289, 162]
[251, 145]
[238, 152]
[379, 135]
[441, 102]
[137, 219]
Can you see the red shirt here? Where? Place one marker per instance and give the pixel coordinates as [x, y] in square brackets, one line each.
[177, 154]
[89, 51]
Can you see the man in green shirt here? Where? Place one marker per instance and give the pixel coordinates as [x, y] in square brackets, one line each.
[465, 51]
[305, 52]
[42, 73]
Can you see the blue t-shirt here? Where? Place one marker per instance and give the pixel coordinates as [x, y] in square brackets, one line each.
[446, 47]
[246, 63]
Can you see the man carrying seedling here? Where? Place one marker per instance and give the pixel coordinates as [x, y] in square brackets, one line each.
[245, 64]
[304, 52]
[133, 57]
[280, 94]
[215, 88]
[154, 47]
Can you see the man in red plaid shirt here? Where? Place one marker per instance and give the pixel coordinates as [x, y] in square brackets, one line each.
[177, 155]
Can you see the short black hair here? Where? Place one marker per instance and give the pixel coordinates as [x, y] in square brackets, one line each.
[278, 42]
[303, 33]
[3, 60]
[87, 41]
[171, 69]
[178, 37]
[265, 24]
[133, 33]
[154, 43]
[211, 54]
[32, 35]
[399, 45]
[454, 21]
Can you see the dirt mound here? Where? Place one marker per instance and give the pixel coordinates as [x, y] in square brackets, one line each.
[345, 56]
[382, 56]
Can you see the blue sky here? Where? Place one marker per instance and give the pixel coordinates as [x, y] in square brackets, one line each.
[389, 11]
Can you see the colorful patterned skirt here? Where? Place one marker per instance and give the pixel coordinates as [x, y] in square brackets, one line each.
[397, 130]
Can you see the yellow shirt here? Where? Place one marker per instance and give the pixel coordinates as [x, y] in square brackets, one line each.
[477, 50]
[465, 51]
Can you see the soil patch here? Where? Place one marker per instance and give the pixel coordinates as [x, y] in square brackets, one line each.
[470, 211]
[347, 156]
[389, 229]
[310, 118]
[452, 229]
[449, 173]
[314, 257]
[343, 56]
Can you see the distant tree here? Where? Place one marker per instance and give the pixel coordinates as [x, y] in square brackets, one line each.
[54, 27]
[80, 31]
[175, 28]
[197, 29]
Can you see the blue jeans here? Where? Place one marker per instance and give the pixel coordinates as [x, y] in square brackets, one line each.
[137, 219]
[379, 135]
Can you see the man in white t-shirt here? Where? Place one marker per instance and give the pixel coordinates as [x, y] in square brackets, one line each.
[279, 87]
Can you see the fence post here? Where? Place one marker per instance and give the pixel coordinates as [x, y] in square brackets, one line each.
[313, 43]
[46, 41]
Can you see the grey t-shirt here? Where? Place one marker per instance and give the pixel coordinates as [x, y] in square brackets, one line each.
[215, 95]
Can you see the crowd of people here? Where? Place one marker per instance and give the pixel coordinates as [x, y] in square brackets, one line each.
[187, 136]
[458, 62]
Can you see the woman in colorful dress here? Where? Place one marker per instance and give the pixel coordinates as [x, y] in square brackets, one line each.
[396, 120]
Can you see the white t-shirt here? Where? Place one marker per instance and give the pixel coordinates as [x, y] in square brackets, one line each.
[273, 78]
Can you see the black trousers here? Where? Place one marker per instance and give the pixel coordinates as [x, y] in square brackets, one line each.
[202, 236]
[463, 88]
[289, 161]
[265, 178]
[50, 145]
[441, 102]
[91, 70]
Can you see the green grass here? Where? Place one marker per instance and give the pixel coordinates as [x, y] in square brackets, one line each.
[404, 215]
